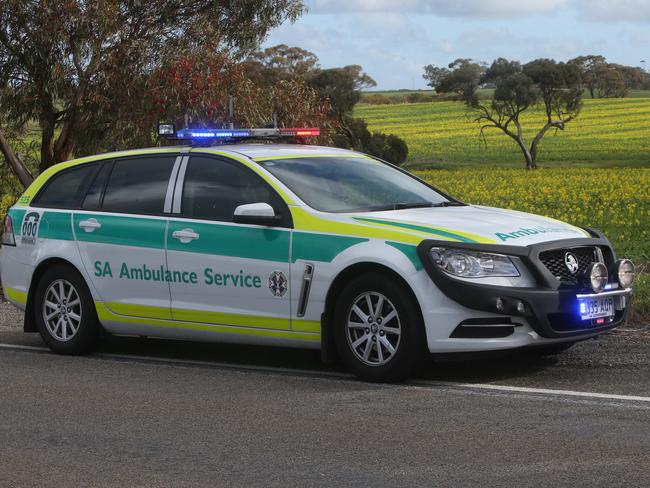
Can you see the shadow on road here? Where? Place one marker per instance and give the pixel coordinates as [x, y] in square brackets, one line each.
[492, 367]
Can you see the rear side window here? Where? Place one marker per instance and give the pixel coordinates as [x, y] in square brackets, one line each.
[138, 185]
[65, 189]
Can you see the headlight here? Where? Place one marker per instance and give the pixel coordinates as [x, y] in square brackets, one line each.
[471, 264]
[597, 276]
[625, 272]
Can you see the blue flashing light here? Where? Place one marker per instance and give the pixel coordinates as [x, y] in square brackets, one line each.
[583, 308]
[203, 134]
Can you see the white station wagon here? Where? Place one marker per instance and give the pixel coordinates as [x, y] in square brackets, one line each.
[295, 245]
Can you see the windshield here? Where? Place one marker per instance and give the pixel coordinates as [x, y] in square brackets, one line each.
[356, 184]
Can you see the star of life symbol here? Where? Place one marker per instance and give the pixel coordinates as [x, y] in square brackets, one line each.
[278, 284]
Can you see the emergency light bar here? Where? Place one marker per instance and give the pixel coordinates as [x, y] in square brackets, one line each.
[168, 130]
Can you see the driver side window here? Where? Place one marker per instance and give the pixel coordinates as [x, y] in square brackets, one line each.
[213, 188]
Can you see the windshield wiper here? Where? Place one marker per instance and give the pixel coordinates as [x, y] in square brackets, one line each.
[403, 206]
[448, 204]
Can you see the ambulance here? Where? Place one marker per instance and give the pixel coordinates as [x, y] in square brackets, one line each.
[250, 236]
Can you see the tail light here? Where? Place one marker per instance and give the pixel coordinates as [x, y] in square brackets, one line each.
[8, 237]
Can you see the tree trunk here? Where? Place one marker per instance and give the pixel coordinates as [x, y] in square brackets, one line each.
[535, 144]
[519, 138]
[16, 165]
[47, 144]
[64, 145]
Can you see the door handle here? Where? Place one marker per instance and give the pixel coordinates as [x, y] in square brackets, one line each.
[185, 235]
[90, 225]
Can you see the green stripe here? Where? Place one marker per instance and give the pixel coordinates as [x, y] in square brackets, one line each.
[55, 225]
[320, 247]
[419, 228]
[124, 231]
[238, 241]
[410, 252]
[17, 219]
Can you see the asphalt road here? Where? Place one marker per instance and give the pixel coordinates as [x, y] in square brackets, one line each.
[163, 413]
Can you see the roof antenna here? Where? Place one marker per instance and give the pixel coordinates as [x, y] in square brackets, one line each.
[231, 111]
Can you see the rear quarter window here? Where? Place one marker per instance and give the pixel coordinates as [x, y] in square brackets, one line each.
[66, 188]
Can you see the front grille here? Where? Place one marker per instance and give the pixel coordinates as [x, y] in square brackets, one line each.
[554, 260]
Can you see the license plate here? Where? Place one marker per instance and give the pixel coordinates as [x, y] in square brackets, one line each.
[594, 308]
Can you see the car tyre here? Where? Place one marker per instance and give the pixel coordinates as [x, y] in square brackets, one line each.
[65, 312]
[378, 329]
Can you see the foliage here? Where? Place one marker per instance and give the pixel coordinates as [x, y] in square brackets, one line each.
[377, 99]
[461, 77]
[280, 62]
[615, 201]
[6, 201]
[605, 79]
[608, 130]
[75, 66]
[385, 146]
[197, 90]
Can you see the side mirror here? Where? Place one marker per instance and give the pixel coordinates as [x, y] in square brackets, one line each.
[256, 214]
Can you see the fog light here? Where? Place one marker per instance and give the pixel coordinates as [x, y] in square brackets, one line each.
[625, 271]
[499, 304]
[597, 276]
[521, 308]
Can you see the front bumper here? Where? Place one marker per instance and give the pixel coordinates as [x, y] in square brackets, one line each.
[551, 308]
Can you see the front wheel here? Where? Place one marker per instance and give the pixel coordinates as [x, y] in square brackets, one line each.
[378, 329]
[64, 310]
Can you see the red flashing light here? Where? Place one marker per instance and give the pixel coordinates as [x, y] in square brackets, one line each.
[300, 132]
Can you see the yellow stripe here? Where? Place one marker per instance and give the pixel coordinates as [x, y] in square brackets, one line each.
[16, 295]
[468, 235]
[231, 319]
[299, 325]
[38, 183]
[304, 220]
[103, 313]
[140, 310]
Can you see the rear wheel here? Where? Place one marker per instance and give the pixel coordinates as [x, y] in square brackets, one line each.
[64, 310]
[378, 329]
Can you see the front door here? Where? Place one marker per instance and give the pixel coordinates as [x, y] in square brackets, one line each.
[221, 272]
[121, 231]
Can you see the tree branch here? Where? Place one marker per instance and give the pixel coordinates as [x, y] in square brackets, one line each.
[16, 165]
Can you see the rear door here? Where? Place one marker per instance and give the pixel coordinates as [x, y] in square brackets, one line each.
[238, 273]
[120, 231]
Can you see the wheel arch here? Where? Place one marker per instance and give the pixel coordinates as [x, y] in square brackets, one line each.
[328, 348]
[29, 324]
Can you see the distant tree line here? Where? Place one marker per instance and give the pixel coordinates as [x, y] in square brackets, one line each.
[609, 80]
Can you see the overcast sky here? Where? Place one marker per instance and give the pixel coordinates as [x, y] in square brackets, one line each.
[393, 40]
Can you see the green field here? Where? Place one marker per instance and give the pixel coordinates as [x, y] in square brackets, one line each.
[608, 131]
